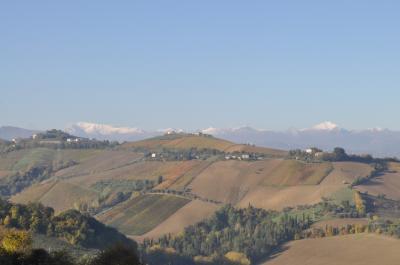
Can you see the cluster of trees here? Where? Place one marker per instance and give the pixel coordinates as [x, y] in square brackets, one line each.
[4, 146]
[36, 173]
[56, 139]
[170, 154]
[157, 256]
[252, 232]
[113, 192]
[359, 203]
[338, 154]
[246, 236]
[328, 208]
[381, 206]
[186, 194]
[124, 185]
[15, 183]
[379, 168]
[16, 249]
[302, 155]
[245, 155]
[375, 225]
[389, 227]
[327, 231]
[71, 226]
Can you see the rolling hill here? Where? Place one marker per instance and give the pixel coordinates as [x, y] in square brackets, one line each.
[147, 197]
[11, 132]
[181, 141]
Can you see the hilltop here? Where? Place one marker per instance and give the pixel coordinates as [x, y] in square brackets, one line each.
[200, 141]
[11, 132]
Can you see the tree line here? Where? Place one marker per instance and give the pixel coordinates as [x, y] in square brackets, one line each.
[71, 226]
[253, 232]
[16, 249]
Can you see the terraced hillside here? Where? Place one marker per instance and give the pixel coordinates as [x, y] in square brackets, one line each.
[143, 213]
[191, 213]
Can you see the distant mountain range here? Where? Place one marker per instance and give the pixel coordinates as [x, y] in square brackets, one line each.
[326, 135]
[10, 132]
[108, 132]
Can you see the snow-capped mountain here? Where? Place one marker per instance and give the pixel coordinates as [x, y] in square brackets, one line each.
[170, 130]
[108, 132]
[326, 135]
[324, 126]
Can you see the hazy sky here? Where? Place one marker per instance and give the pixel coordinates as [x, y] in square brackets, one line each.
[194, 64]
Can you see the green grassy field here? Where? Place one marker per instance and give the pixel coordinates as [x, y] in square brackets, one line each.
[143, 213]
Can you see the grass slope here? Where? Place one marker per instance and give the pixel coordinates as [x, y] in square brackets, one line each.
[231, 181]
[387, 184]
[193, 212]
[359, 249]
[181, 141]
[59, 195]
[334, 185]
[143, 213]
[292, 172]
[22, 160]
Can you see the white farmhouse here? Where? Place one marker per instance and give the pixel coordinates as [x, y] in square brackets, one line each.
[70, 140]
[245, 156]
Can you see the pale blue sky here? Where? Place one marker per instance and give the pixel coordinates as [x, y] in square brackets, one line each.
[194, 64]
